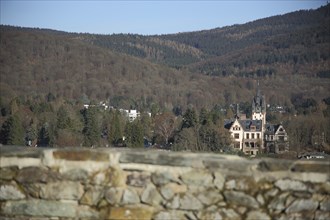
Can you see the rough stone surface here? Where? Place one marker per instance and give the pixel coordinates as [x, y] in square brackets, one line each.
[320, 215]
[174, 204]
[198, 178]
[130, 197]
[113, 195]
[62, 190]
[242, 183]
[229, 214]
[293, 185]
[189, 202]
[80, 155]
[76, 175]
[36, 174]
[209, 197]
[325, 204]
[302, 205]
[10, 192]
[164, 215]
[219, 180]
[92, 196]
[47, 208]
[255, 215]
[274, 165]
[138, 179]
[140, 212]
[166, 192]
[8, 173]
[279, 202]
[241, 198]
[143, 184]
[160, 179]
[151, 196]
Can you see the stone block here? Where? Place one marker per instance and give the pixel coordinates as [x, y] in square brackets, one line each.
[113, 195]
[166, 192]
[130, 213]
[130, 197]
[321, 215]
[36, 175]
[80, 155]
[169, 215]
[325, 204]
[174, 203]
[271, 165]
[240, 198]
[61, 190]
[311, 167]
[138, 179]
[240, 183]
[189, 202]
[151, 196]
[219, 180]
[253, 215]
[209, 197]
[301, 205]
[163, 178]
[279, 202]
[76, 175]
[229, 214]
[47, 208]
[8, 173]
[199, 178]
[290, 185]
[11, 192]
[92, 196]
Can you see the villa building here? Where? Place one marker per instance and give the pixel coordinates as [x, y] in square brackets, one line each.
[255, 135]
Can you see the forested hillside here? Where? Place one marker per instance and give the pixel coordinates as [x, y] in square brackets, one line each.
[48, 75]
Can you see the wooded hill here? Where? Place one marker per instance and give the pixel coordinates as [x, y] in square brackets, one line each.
[289, 53]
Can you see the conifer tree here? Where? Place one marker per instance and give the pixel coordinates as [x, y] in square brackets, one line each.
[12, 132]
[91, 130]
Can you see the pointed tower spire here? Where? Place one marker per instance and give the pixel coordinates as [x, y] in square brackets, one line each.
[237, 111]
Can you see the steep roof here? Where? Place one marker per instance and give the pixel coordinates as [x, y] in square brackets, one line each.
[251, 125]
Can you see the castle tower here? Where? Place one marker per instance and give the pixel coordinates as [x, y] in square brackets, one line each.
[259, 107]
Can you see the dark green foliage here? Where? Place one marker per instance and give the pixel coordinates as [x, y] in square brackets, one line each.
[12, 132]
[134, 134]
[115, 130]
[189, 118]
[91, 129]
[63, 119]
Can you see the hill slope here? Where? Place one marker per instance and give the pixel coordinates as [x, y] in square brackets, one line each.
[290, 53]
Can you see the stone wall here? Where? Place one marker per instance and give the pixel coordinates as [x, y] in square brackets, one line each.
[127, 184]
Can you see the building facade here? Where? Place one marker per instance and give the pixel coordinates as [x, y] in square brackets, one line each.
[254, 136]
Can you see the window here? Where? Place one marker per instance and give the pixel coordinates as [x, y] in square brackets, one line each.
[258, 136]
[236, 136]
[236, 145]
[252, 136]
[247, 136]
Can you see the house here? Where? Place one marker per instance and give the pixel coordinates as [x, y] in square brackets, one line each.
[255, 135]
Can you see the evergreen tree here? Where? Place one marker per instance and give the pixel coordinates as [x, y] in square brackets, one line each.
[189, 118]
[12, 132]
[134, 134]
[46, 137]
[63, 119]
[115, 132]
[91, 130]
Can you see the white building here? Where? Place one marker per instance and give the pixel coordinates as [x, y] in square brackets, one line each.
[253, 136]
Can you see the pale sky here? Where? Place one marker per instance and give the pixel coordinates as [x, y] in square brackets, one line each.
[143, 17]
